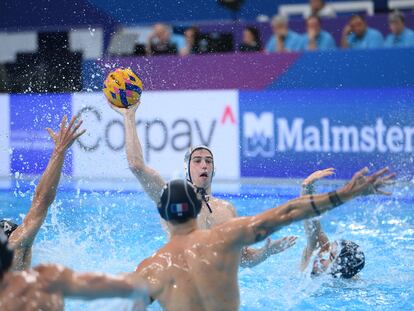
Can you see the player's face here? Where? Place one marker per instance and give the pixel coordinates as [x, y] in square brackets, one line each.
[201, 168]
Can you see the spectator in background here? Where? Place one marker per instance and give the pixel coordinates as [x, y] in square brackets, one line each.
[400, 35]
[319, 8]
[251, 40]
[316, 38]
[162, 41]
[192, 39]
[357, 35]
[283, 39]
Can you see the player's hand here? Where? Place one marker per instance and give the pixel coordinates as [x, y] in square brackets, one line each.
[361, 184]
[277, 246]
[67, 134]
[318, 175]
[125, 111]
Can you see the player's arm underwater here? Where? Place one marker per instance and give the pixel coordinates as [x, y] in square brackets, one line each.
[21, 240]
[248, 230]
[149, 178]
[315, 236]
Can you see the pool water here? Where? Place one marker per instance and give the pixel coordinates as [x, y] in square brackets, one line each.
[114, 231]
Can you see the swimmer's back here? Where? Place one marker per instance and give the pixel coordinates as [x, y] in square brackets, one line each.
[194, 272]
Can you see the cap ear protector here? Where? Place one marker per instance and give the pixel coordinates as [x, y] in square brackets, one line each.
[7, 227]
[179, 201]
[187, 160]
[350, 261]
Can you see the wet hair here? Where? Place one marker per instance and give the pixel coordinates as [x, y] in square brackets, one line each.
[6, 255]
[350, 260]
[179, 201]
[7, 227]
[255, 32]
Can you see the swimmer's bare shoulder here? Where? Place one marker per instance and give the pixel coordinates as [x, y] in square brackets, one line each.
[52, 276]
[220, 204]
[151, 269]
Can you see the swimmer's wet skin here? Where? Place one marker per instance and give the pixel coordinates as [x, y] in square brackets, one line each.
[21, 237]
[44, 287]
[197, 269]
[199, 168]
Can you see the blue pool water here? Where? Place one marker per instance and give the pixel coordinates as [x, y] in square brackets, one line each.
[114, 231]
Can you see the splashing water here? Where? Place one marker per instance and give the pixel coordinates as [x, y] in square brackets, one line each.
[113, 231]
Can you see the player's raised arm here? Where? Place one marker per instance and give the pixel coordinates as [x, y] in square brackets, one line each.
[248, 230]
[149, 179]
[22, 238]
[315, 236]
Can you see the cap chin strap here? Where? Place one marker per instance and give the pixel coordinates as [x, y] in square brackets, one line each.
[202, 192]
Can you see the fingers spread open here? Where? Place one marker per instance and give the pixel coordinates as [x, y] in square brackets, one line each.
[79, 134]
[63, 123]
[384, 192]
[328, 172]
[390, 176]
[76, 127]
[71, 122]
[361, 172]
[380, 172]
[51, 133]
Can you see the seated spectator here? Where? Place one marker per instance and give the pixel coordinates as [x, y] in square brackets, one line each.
[316, 38]
[319, 8]
[400, 35]
[162, 41]
[283, 39]
[251, 40]
[192, 39]
[357, 35]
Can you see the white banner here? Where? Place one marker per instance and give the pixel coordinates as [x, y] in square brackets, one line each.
[4, 136]
[167, 123]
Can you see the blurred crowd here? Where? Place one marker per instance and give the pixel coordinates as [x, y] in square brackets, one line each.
[356, 34]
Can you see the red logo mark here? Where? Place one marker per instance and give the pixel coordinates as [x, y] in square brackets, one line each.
[228, 114]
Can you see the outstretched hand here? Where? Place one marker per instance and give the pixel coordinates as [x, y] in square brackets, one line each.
[67, 134]
[278, 246]
[361, 184]
[318, 175]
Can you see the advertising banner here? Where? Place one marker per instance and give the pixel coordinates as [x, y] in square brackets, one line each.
[30, 115]
[4, 136]
[292, 133]
[167, 124]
